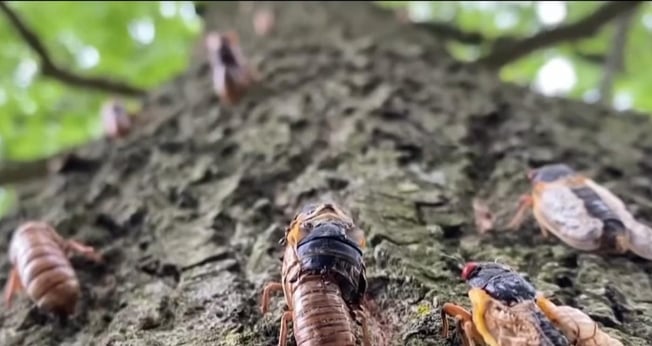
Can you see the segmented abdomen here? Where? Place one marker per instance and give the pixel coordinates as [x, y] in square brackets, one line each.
[595, 206]
[44, 270]
[615, 235]
[552, 334]
[321, 317]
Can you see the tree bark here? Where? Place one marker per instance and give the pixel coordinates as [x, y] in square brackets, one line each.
[352, 107]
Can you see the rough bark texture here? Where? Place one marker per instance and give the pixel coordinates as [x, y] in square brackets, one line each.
[188, 210]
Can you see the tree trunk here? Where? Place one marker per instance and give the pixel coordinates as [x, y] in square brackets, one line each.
[353, 107]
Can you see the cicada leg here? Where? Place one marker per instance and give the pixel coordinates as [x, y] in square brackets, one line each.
[283, 337]
[525, 203]
[464, 319]
[84, 250]
[362, 314]
[12, 287]
[469, 329]
[267, 292]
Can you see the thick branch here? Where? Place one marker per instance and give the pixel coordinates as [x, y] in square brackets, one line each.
[453, 33]
[614, 62]
[52, 70]
[18, 172]
[583, 28]
[593, 58]
[13, 172]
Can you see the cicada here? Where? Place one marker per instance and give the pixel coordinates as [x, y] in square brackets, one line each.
[582, 213]
[40, 266]
[116, 121]
[232, 74]
[504, 311]
[323, 278]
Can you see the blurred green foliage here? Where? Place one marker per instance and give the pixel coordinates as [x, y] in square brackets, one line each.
[495, 19]
[141, 43]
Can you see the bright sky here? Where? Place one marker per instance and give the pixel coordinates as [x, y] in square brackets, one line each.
[557, 76]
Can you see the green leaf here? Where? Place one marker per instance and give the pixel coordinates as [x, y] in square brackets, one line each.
[46, 116]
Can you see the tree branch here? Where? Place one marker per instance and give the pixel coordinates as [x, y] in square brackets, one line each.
[454, 33]
[18, 172]
[583, 28]
[614, 61]
[11, 173]
[593, 58]
[52, 70]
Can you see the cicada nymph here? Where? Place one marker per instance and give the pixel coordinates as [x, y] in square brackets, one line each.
[504, 311]
[323, 279]
[40, 266]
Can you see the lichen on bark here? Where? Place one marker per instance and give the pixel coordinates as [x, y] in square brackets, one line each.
[352, 107]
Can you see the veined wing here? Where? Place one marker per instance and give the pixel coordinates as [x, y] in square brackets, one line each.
[640, 235]
[564, 214]
[519, 324]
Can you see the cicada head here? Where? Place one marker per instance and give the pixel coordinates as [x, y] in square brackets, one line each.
[213, 42]
[478, 273]
[550, 173]
[314, 214]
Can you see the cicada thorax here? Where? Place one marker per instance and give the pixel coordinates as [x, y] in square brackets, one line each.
[502, 284]
[327, 251]
[615, 235]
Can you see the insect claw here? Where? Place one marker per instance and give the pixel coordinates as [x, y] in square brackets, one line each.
[524, 203]
[530, 173]
[13, 285]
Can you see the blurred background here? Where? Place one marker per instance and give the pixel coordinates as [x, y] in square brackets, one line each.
[140, 45]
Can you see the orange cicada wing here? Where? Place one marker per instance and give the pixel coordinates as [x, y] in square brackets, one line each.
[640, 235]
[520, 324]
[558, 209]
